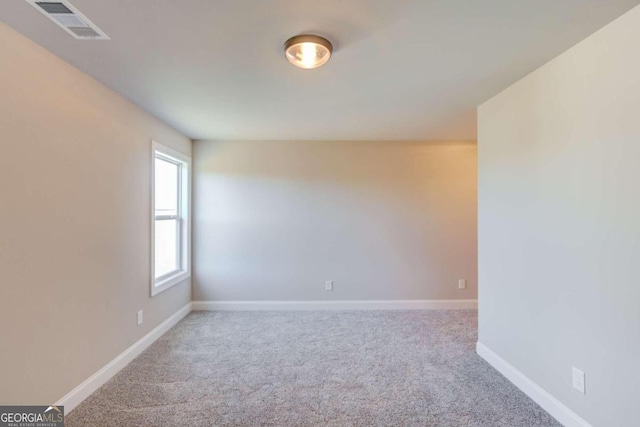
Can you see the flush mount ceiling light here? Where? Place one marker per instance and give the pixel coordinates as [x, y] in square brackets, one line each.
[308, 51]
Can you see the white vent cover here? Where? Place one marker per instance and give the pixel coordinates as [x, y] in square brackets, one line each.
[69, 19]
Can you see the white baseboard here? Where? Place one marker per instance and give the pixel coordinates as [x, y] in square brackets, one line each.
[553, 406]
[95, 381]
[335, 305]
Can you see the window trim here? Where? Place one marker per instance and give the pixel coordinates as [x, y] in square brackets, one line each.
[184, 218]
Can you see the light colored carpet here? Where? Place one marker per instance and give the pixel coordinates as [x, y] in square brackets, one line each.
[351, 368]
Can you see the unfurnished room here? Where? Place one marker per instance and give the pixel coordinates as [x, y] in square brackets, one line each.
[320, 213]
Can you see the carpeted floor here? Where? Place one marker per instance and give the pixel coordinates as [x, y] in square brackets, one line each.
[317, 368]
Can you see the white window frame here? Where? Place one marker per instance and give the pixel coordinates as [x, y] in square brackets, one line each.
[184, 217]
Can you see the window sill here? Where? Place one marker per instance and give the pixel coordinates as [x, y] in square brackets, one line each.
[169, 282]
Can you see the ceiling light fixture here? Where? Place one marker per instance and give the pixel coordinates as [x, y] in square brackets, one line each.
[308, 51]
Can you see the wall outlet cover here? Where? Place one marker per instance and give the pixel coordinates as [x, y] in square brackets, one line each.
[578, 380]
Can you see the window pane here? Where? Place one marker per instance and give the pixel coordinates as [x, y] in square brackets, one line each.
[166, 185]
[166, 247]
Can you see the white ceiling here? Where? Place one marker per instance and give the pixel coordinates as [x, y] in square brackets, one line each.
[401, 70]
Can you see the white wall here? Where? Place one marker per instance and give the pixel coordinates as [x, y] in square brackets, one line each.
[74, 224]
[274, 220]
[559, 237]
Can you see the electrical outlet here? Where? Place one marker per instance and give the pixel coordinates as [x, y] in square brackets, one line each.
[328, 285]
[462, 284]
[578, 380]
[140, 317]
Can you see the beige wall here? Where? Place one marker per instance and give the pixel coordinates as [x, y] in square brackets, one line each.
[74, 224]
[559, 238]
[274, 220]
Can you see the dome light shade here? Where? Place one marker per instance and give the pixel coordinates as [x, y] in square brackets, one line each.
[308, 51]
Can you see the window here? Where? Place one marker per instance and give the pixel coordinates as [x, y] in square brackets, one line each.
[171, 258]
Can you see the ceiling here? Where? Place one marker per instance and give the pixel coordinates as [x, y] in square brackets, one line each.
[401, 70]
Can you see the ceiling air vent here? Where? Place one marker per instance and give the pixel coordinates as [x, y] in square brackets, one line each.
[69, 19]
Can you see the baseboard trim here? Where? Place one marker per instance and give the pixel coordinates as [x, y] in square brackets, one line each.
[95, 381]
[334, 305]
[553, 406]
